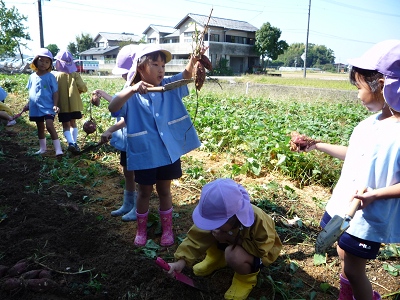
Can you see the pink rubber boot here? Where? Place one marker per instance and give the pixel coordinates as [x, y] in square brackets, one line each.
[375, 296]
[141, 234]
[346, 292]
[167, 237]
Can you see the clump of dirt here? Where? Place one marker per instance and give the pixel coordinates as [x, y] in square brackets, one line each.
[90, 255]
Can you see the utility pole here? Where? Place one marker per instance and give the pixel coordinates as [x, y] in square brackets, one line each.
[308, 30]
[40, 23]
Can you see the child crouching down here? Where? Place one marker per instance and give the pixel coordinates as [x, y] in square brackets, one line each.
[231, 231]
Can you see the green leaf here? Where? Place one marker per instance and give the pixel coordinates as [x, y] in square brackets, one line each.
[324, 286]
[319, 259]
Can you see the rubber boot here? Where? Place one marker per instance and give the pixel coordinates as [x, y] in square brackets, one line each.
[141, 233]
[375, 296]
[57, 147]
[346, 292]
[241, 286]
[43, 146]
[214, 260]
[131, 215]
[167, 237]
[128, 203]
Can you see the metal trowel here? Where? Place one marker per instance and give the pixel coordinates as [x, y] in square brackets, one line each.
[336, 226]
[170, 86]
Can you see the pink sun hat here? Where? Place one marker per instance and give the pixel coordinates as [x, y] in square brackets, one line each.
[384, 57]
[220, 200]
[65, 62]
[142, 51]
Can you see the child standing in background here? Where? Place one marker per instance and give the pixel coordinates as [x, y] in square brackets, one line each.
[372, 159]
[43, 99]
[116, 134]
[159, 132]
[70, 88]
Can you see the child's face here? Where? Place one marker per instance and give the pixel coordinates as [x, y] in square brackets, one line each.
[372, 101]
[153, 71]
[43, 63]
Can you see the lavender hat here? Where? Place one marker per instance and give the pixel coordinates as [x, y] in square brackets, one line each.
[143, 50]
[384, 57]
[65, 62]
[220, 200]
[125, 59]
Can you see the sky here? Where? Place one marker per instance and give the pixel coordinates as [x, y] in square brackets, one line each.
[349, 28]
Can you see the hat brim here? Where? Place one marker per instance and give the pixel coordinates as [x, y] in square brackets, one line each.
[391, 92]
[119, 71]
[204, 223]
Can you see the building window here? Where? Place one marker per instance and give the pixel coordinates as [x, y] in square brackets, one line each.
[188, 34]
[100, 44]
[151, 41]
[214, 37]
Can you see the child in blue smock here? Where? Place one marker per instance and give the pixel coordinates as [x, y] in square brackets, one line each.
[43, 99]
[159, 132]
[116, 134]
[371, 160]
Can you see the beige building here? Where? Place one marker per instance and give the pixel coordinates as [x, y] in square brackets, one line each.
[229, 39]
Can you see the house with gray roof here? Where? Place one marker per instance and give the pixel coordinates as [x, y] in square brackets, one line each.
[232, 40]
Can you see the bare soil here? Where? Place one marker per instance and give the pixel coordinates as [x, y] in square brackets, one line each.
[91, 254]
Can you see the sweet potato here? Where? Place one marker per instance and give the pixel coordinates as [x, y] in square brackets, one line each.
[3, 270]
[199, 75]
[89, 126]
[206, 62]
[12, 284]
[40, 285]
[95, 99]
[31, 274]
[45, 274]
[19, 268]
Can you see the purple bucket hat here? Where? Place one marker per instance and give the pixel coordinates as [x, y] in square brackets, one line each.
[384, 57]
[220, 200]
[125, 59]
[41, 52]
[65, 62]
[143, 50]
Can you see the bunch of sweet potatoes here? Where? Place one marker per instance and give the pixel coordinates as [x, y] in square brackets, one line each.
[22, 276]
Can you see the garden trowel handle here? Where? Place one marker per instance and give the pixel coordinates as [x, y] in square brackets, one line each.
[355, 204]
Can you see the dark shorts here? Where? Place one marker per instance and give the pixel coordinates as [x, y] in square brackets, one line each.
[150, 176]
[122, 159]
[354, 245]
[41, 119]
[66, 117]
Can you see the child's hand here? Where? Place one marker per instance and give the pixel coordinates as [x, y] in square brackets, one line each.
[56, 109]
[301, 142]
[176, 266]
[141, 87]
[96, 96]
[106, 136]
[367, 198]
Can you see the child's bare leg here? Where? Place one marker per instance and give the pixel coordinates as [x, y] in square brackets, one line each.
[143, 198]
[5, 116]
[238, 259]
[51, 129]
[130, 184]
[353, 268]
[40, 129]
[163, 188]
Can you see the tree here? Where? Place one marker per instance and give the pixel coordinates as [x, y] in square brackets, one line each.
[13, 33]
[267, 42]
[73, 49]
[317, 55]
[84, 42]
[53, 48]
